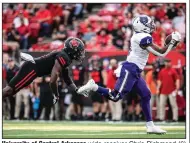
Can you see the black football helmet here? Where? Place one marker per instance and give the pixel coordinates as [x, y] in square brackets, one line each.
[74, 47]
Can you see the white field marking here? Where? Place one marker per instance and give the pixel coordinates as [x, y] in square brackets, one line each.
[87, 122]
[87, 134]
[61, 122]
[93, 131]
[92, 128]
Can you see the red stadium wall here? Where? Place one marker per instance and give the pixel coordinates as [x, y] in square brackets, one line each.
[174, 56]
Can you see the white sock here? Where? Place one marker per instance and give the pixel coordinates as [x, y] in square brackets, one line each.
[150, 123]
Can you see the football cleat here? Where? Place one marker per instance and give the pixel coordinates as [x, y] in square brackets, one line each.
[90, 86]
[155, 130]
[27, 57]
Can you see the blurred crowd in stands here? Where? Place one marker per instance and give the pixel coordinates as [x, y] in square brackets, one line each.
[102, 27]
[40, 27]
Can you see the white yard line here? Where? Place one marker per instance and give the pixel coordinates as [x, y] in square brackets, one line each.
[87, 128]
[90, 122]
[87, 134]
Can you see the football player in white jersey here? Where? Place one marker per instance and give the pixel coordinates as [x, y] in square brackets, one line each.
[129, 72]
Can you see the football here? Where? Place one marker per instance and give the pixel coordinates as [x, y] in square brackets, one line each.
[168, 39]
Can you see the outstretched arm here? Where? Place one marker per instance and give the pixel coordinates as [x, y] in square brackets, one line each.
[68, 80]
[156, 50]
[56, 71]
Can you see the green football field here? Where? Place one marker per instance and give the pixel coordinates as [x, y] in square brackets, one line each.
[85, 129]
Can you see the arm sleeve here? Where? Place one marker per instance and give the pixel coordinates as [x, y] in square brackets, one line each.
[63, 60]
[146, 41]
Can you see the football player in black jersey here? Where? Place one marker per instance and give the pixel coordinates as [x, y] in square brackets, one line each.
[55, 63]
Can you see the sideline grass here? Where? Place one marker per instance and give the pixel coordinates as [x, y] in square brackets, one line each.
[69, 129]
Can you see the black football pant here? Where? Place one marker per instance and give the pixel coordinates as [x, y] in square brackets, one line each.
[24, 77]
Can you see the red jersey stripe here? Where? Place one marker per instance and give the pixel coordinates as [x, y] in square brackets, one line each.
[61, 61]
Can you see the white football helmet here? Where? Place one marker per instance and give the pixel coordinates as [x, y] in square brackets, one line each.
[143, 23]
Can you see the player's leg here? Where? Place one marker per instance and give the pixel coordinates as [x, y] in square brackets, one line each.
[23, 78]
[142, 89]
[123, 85]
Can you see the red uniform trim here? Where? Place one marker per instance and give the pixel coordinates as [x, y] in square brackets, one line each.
[24, 78]
[26, 81]
[62, 60]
